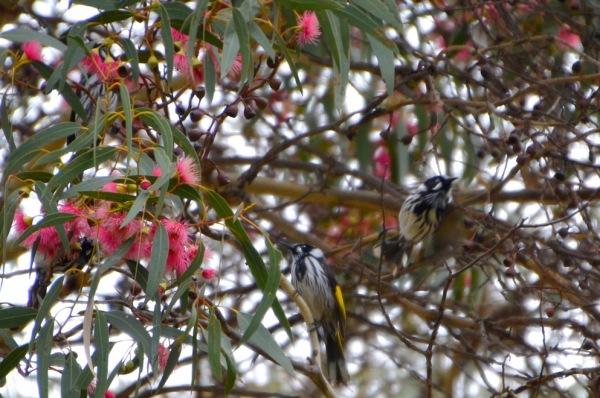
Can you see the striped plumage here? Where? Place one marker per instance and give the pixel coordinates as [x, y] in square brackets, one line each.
[316, 282]
[419, 216]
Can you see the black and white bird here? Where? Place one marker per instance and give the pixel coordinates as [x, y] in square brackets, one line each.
[316, 282]
[419, 217]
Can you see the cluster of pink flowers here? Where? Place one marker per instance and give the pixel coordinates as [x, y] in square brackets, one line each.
[105, 222]
[105, 68]
[48, 240]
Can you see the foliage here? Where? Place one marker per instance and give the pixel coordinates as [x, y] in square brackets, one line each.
[341, 104]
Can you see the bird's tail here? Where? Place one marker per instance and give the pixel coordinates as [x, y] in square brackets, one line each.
[396, 250]
[336, 362]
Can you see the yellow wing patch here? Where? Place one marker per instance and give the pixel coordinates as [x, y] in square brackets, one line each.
[340, 300]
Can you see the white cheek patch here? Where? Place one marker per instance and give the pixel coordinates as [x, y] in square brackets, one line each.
[438, 186]
[317, 253]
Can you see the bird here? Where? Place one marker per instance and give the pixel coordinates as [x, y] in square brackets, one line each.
[81, 254]
[315, 281]
[419, 217]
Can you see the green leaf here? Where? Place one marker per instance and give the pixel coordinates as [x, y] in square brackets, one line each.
[84, 161]
[167, 37]
[126, 101]
[269, 292]
[100, 4]
[263, 339]
[253, 258]
[231, 374]
[107, 17]
[158, 259]
[182, 289]
[5, 112]
[70, 373]
[92, 184]
[257, 34]
[12, 359]
[231, 48]
[132, 327]
[214, 346]
[22, 35]
[50, 220]
[31, 147]
[110, 196]
[385, 57]
[44, 349]
[7, 217]
[139, 272]
[11, 344]
[210, 78]
[288, 58]
[45, 307]
[82, 141]
[380, 11]
[14, 317]
[101, 352]
[137, 207]
[132, 55]
[309, 5]
[241, 28]
[354, 16]
[177, 10]
[49, 204]
[171, 364]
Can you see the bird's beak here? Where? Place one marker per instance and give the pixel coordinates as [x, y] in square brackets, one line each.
[451, 179]
[288, 246]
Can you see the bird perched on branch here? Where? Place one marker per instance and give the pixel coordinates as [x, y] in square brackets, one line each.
[317, 284]
[419, 217]
[81, 254]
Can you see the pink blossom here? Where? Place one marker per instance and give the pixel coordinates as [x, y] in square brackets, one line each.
[163, 357]
[33, 50]
[176, 231]
[91, 390]
[111, 235]
[49, 241]
[110, 187]
[571, 39]
[109, 394]
[178, 36]
[181, 63]
[236, 67]
[188, 171]
[210, 275]
[106, 69]
[383, 161]
[309, 29]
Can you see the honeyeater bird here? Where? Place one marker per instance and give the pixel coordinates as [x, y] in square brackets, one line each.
[317, 284]
[81, 254]
[419, 217]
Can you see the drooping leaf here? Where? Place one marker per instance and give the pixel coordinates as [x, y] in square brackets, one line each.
[14, 317]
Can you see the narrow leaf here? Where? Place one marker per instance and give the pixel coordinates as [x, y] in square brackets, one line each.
[158, 260]
[14, 317]
[44, 349]
[12, 359]
[214, 346]
[263, 339]
[101, 352]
